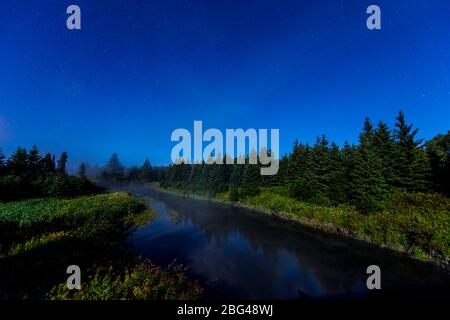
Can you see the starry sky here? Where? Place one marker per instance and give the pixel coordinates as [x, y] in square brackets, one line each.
[140, 69]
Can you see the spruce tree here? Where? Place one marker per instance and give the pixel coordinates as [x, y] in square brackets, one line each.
[438, 151]
[17, 164]
[47, 164]
[411, 169]
[348, 162]
[34, 162]
[182, 172]
[82, 170]
[226, 171]
[337, 175]
[281, 178]
[133, 174]
[320, 170]
[300, 176]
[215, 182]
[194, 176]
[146, 171]
[369, 188]
[295, 168]
[170, 176]
[236, 181]
[421, 172]
[2, 163]
[383, 143]
[219, 176]
[204, 177]
[114, 169]
[252, 177]
[62, 164]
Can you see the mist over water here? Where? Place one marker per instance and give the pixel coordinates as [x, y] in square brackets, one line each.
[237, 253]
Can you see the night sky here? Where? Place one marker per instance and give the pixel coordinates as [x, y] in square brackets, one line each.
[140, 69]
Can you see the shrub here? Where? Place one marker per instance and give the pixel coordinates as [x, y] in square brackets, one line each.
[413, 222]
[143, 281]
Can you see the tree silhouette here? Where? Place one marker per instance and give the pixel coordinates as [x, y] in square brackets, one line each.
[62, 163]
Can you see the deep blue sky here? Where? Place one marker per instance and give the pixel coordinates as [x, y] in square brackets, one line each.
[139, 69]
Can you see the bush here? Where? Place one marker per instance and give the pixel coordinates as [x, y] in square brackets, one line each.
[416, 223]
[143, 281]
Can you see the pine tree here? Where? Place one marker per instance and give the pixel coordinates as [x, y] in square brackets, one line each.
[114, 170]
[62, 163]
[299, 177]
[411, 169]
[2, 163]
[203, 183]
[421, 172]
[369, 188]
[34, 161]
[194, 176]
[47, 164]
[348, 162]
[226, 171]
[133, 174]
[252, 177]
[383, 144]
[146, 171]
[182, 172]
[438, 151]
[215, 179]
[236, 181]
[280, 179]
[164, 177]
[320, 173]
[82, 170]
[220, 177]
[337, 175]
[17, 164]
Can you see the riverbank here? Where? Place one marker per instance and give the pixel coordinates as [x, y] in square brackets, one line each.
[414, 224]
[41, 237]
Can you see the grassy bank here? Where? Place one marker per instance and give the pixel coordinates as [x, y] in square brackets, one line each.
[40, 238]
[416, 224]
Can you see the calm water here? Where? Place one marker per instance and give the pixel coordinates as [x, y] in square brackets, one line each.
[236, 253]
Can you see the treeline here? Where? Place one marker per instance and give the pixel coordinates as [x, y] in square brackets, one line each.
[28, 174]
[384, 162]
[115, 172]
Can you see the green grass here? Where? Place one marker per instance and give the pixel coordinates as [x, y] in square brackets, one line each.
[41, 237]
[31, 212]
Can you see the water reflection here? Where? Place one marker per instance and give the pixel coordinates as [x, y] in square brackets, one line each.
[236, 253]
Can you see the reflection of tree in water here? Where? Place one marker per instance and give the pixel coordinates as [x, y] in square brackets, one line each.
[174, 216]
[336, 264]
